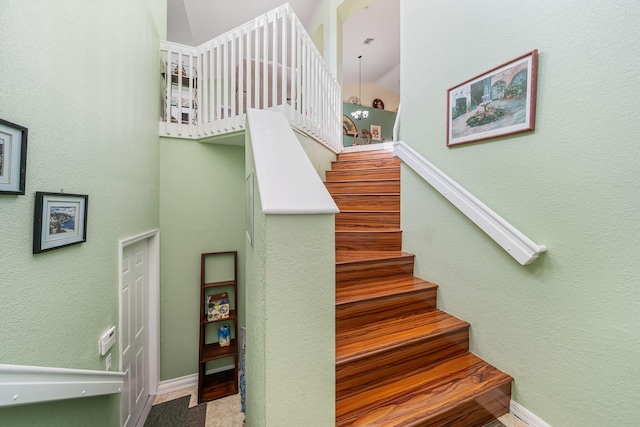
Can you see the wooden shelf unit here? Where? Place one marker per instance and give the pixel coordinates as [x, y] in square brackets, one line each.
[222, 383]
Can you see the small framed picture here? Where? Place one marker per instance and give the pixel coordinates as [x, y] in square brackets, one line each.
[60, 220]
[499, 102]
[13, 158]
[376, 133]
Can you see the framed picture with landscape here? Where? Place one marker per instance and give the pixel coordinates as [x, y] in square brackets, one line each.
[13, 158]
[501, 101]
[60, 220]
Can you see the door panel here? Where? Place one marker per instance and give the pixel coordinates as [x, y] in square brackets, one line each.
[134, 297]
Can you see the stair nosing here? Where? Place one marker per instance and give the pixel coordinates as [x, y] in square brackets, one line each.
[459, 325]
[426, 286]
[504, 379]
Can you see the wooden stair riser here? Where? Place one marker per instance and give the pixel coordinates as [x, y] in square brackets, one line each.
[385, 186]
[375, 309]
[478, 412]
[378, 368]
[365, 164]
[425, 397]
[361, 220]
[366, 154]
[359, 174]
[367, 202]
[384, 240]
[371, 269]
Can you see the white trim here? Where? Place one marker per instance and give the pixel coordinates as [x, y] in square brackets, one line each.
[285, 187]
[526, 416]
[29, 384]
[176, 384]
[396, 124]
[519, 246]
[180, 383]
[153, 312]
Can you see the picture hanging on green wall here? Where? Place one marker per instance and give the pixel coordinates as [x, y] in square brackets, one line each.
[501, 101]
[60, 220]
[13, 158]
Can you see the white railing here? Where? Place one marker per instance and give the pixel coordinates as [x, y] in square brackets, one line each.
[268, 63]
[29, 384]
[519, 246]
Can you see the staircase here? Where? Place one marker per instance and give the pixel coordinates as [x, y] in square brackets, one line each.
[399, 360]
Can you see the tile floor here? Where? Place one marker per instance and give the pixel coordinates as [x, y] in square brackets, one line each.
[229, 406]
[234, 416]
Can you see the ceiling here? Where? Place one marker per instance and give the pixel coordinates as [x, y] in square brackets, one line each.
[193, 22]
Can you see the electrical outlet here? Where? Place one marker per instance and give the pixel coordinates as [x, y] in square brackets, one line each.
[109, 362]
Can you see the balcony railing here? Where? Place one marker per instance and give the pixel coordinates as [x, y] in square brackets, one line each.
[269, 63]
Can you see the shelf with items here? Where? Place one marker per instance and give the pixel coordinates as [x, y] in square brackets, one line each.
[219, 313]
[182, 94]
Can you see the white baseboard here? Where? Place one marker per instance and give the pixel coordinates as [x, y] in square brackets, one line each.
[526, 416]
[175, 384]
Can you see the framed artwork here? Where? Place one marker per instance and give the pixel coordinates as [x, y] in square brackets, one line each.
[60, 220]
[501, 101]
[376, 133]
[13, 158]
[348, 128]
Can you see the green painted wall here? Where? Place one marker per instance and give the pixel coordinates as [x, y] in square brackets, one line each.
[290, 303]
[565, 327]
[384, 119]
[202, 209]
[82, 77]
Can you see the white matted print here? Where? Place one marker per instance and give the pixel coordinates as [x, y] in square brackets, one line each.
[60, 220]
[376, 132]
[13, 157]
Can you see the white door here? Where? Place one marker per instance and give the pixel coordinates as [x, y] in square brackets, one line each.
[134, 340]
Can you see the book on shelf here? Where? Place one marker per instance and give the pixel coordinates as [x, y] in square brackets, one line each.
[218, 307]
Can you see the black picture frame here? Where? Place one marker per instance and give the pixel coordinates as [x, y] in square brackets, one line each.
[13, 158]
[60, 220]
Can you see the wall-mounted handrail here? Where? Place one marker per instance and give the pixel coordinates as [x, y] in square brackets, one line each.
[519, 246]
[20, 384]
[268, 63]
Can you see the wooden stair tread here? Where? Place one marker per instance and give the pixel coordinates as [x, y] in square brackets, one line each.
[344, 165]
[363, 172]
[367, 230]
[391, 333]
[360, 290]
[366, 154]
[346, 257]
[366, 211]
[421, 395]
[352, 181]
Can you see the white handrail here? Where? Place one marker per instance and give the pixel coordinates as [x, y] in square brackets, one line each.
[268, 63]
[519, 246]
[20, 384]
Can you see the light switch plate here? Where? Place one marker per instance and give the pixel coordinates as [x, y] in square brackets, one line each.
[106, 341]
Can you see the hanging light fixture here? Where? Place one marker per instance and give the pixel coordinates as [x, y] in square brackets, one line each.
[360, 113]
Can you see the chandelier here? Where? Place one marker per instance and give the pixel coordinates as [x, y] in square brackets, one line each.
[360, 113]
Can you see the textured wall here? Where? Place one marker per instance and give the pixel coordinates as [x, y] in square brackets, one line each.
[566, 326]
[290, 304]
[202, 205]
[82, 77]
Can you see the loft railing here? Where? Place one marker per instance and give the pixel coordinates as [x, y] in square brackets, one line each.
[269, 63]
